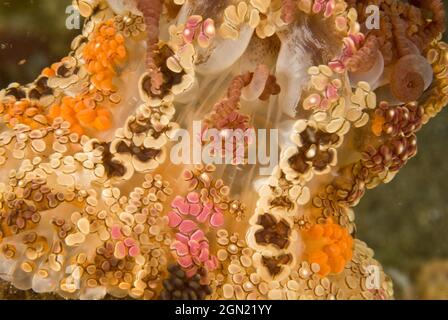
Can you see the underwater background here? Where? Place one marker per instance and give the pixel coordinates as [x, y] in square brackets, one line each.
[405, 221]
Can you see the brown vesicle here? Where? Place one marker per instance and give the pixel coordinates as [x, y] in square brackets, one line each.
[138, 127]
[170, 78]
[63, 71]
[144, 127]
[40, 89]
[298, 163]
[314, 151]
[143, 154]
[17, 93]
[112, 167]
[180, 287]
[282, 202]
[273, 232]
[274, 264]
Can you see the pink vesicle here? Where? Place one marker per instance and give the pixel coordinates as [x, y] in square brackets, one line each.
[116, 232]
[182, 238]
[337, 66]
[208, 28]
[181, 205]
[184, 209]
[134, 251]
[329, 8]
[193, 197]
[198, 235]
[203, 216]
[212, 263]
[331, 92]
[185, 261]
[193, 21]
[204, 255]
[194, 247]
[191, 247]
[181, 248]
[174, 219]
[187, 226]
[195, 209]
[317, 7]
[217, 219]
[324, 104]
[129, 242]
[204, 244]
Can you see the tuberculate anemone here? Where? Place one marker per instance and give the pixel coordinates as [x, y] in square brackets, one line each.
[92, 203]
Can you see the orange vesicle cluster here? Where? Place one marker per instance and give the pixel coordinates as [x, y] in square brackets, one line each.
[103, 53]
[329, 245]
[23, 111]
[82, 112]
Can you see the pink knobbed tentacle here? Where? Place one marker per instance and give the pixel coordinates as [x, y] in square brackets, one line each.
[152, 9]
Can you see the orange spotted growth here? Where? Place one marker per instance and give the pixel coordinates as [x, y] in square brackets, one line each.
[82, 113]
[23, 111]
[329, 245]
[102, 54]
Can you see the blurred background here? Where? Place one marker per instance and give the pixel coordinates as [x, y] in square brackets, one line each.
[405, 221]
